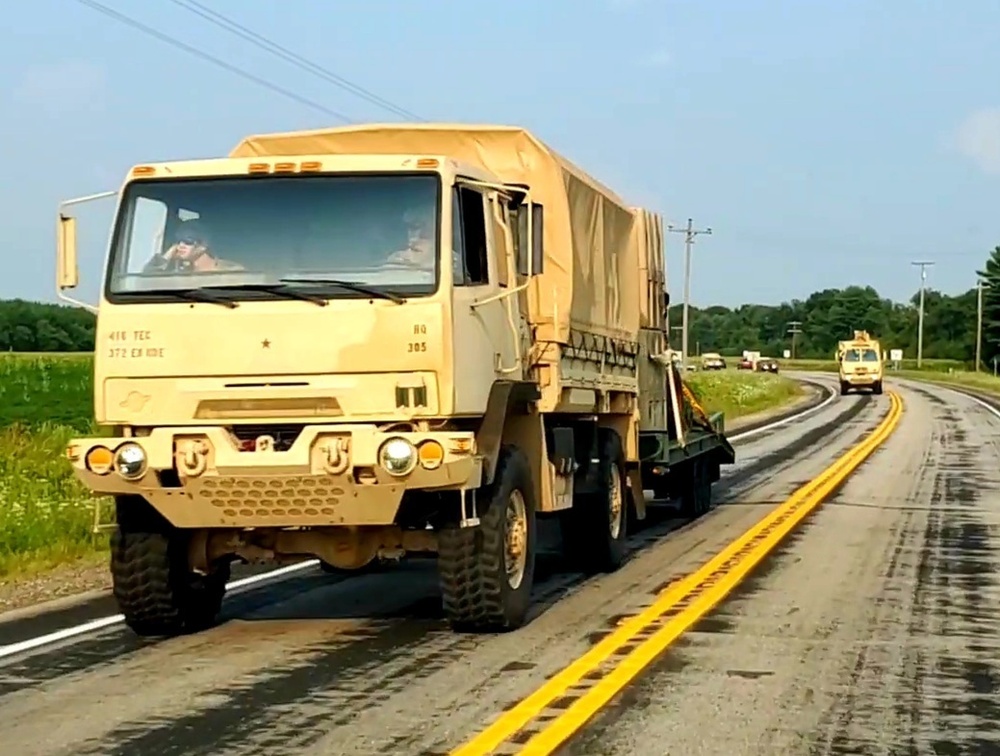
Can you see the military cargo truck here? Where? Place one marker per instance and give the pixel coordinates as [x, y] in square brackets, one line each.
[860, 363]
[371, 341]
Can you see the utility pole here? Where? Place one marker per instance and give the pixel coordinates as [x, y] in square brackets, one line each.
[689, 234]
[923, 265]
[979, 321]
[793, 328]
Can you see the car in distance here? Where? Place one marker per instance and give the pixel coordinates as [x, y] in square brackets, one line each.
[713, 361]
[767, 365]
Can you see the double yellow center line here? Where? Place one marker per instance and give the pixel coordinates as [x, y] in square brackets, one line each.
[545, 719]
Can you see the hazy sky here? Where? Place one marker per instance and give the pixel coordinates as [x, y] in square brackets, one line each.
[827, 143]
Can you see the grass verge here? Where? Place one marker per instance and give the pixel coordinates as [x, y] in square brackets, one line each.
[739, 393]
[45, 515]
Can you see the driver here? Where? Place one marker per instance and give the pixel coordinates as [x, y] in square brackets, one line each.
[190, 252]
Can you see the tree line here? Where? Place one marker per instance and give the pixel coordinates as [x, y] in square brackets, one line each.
[828, 316]
[822, 319]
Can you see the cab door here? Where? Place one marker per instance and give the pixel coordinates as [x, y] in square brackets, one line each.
[485, 333]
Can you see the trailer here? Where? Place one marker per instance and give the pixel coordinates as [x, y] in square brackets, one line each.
[366, 342]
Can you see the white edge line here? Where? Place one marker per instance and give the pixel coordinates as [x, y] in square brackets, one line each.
[988, 407]
[985, 405]
[98, 624]
[790, 418]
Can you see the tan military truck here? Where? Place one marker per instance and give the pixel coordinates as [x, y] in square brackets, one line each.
[379, 340]
[860, 363]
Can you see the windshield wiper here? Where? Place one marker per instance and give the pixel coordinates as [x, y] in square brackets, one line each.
[193, 294]
[350, 285]
[276, 288]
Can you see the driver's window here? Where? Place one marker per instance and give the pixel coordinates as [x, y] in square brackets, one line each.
[472, 214]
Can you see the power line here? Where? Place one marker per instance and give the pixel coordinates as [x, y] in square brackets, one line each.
[128, 21]
[240, 30]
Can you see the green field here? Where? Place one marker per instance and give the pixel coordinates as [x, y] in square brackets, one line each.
[46, 517]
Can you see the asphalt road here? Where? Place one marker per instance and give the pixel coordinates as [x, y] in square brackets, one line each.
[874, 631]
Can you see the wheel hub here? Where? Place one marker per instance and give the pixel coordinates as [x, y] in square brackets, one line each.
[516, 542]
[615, 503]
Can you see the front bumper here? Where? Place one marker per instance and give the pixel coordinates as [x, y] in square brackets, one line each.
[200, 477]
[862, 379]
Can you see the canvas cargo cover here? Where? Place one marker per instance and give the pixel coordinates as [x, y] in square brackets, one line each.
[647, 236]
[589, 279]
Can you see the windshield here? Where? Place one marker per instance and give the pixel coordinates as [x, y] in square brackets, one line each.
[862, 355]
[378, 231]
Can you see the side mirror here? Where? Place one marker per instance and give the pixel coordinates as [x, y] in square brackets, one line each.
[531, 260]
[67, 271]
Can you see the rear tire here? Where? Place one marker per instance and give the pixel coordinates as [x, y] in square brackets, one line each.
[696, 493]
[594, 530]
[486, 572]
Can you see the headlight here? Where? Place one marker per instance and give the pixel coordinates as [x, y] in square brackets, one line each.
[130, 461]
[397, 456]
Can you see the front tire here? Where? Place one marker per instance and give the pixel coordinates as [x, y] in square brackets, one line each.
[154, 588]
[487, 572]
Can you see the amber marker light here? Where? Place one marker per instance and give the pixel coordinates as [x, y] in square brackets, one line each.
[99, 460]
[431, 455]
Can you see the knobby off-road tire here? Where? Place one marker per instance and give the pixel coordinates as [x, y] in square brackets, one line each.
[594, 530]
[696, 492]
[152, 584]
[477, 592]
[877, 388]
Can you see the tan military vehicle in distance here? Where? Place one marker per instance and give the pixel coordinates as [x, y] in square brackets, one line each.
[860, 363]
[373, 341]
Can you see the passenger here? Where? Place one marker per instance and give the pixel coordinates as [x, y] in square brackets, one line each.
[419, 251]
[190, 253]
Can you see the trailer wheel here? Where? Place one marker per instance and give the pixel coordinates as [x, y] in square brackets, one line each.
[594, 530]
[486, 572]
[696, 493]
[155, 589]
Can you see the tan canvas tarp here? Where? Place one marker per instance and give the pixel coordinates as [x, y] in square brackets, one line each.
[590, 273]
[651, 283]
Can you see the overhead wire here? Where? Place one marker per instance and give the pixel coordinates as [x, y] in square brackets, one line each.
[129, 21]
[234, 27]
